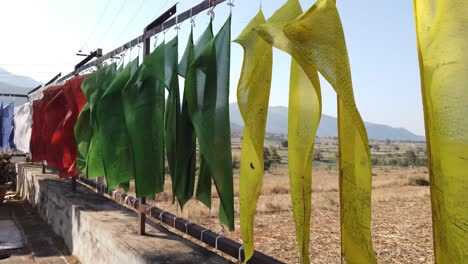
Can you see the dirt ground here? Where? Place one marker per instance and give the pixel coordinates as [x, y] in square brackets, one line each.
[401, 216]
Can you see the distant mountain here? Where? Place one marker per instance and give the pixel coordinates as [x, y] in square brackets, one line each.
[16, 84]
[7, 78]
[277, 122]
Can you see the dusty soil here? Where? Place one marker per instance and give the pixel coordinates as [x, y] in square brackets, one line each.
[401, 216]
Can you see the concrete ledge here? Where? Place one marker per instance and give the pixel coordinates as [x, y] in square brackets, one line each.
[98, 230]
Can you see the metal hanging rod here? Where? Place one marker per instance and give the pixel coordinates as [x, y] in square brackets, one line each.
[213, 239]
[14, 95]
[206, 4]
[45, 85]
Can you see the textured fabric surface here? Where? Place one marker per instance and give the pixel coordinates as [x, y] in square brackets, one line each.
[319, 34]
[89, 159]
[253, 93]
[54, 113]
[211, 121]
[186, 142]
[195, 82]
[75, 100]
[7, 126]
[172, 109]
[442, 44]
[23, 126]
[61, 105]
[303, 119]
[44, 124]
[143, 103]
[112, 133]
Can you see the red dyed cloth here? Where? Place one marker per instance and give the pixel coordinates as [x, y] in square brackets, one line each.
[75, 100]
[39, 136]
[52, 136]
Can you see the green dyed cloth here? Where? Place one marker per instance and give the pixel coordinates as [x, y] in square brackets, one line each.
[143, 105]
[112, 133]
[211, 121]
[172, 109]
[89, 158]
[186, 137]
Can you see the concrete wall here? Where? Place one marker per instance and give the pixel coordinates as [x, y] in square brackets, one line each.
[98, 230]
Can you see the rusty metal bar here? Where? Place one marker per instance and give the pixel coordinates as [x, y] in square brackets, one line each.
[206, 4]
[210, 238]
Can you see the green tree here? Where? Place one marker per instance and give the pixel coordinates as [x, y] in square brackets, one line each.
[266, 159]
[318, 156]
[410, 157]
[235, 162]
[284, 143]
[275, 157]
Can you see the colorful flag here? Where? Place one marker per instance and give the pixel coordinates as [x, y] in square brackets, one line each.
[319, 40]
[253, 93]
[442, 33]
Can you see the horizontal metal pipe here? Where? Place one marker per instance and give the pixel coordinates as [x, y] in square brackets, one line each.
[215, 240]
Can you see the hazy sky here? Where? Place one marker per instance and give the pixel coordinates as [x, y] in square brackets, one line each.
[39, 38]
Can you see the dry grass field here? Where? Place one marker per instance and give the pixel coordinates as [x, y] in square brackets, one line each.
[401, 216]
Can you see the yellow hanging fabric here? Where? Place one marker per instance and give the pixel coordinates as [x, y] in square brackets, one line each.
[319, 38]
[443, 58]
[253, 93]
[303, 119]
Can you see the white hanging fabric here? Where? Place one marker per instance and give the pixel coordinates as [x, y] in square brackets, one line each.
[23, 124]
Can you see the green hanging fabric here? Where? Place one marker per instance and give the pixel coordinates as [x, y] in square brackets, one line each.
[172, 110]
[89, 151]
[83, 135]
[319, 38]
[186, 137]
[253, 93]
[113, 135]
[303, 119]
[143, 107]
[211, 120]
[195, 81]
[442, 33]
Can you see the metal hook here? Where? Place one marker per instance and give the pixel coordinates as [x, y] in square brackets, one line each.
[192, 19]
[163, 30]
[211, 11]
[240, 253]
[211, 14]
[230, 3]
[155, 41]
[201, 234]
[161, 215]
[216, 241]
[177, 26]
[149, 209]
[130, 57]
[186, 226]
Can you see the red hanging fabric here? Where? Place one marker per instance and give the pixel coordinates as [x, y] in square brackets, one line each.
[39, 136]
[75, 101]
[54, 117]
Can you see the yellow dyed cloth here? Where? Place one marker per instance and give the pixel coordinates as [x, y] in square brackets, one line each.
[303, 119]
[442, 31]
[319, 39]
[253, 93]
